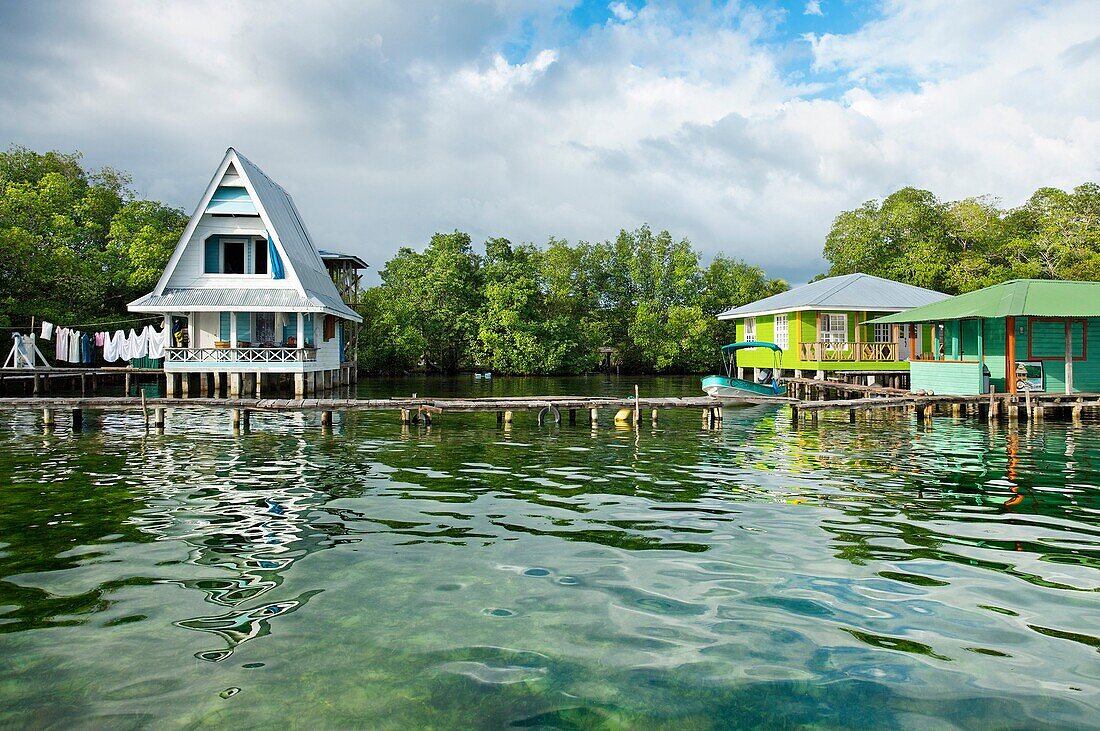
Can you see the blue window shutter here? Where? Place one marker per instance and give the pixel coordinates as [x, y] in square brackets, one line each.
[273, 261]
[224, 327]
[244, 326]
[308, 327]
[213, 260]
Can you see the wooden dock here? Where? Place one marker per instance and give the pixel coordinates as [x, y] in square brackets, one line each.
[411, 410]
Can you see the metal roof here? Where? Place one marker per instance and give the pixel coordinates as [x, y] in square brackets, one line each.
[846, 292]
[327, 255]
[219, 299]
[1016, 298]
[295, 239]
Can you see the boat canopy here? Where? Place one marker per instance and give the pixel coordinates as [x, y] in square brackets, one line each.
[734, 347]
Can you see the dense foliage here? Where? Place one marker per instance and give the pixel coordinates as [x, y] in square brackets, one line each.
[529, 309]
[75, 245]
[960, 246]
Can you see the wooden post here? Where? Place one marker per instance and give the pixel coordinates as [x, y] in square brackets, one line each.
[405, 417]
[47, 418]
[259, 386]
[158, 417]
[326, 419]
[991, 413]
[235, 384]
[170, 385]
[144, 411]
[1069, 356]
[126, 390]
[185, 383]
[78, 420]
[299, 386]
[500, 418]
[572, 417]
[245, 419]
[851, 416]
[637, 407]
[1027, 399]
[507, 417]
[1010, 353]
[235, 417]
[1075, 412]
[653, 417]
[593, 416]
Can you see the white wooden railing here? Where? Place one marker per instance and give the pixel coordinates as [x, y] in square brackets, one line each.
[843, 352]
[240, 355]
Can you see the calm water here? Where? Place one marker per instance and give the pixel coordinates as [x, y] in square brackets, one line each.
[877, 574]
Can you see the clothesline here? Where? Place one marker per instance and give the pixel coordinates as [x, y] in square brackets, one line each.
[93, 324]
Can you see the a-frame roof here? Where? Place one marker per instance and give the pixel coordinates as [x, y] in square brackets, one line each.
[303, 265]
[859, 292]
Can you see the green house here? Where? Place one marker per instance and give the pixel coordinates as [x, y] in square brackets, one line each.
[824, 327]
[1025, 334]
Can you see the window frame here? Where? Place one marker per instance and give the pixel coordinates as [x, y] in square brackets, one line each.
[887, 328]
[250, 240]
[750, 320]
[826, 327]
[786, 320]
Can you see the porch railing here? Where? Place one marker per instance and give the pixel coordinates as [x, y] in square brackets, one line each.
[240, 355]
[847, 352]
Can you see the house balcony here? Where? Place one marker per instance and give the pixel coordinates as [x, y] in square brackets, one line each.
[205, 357]
[848, 352]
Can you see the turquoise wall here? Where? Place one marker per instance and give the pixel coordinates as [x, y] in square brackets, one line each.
[946, 377]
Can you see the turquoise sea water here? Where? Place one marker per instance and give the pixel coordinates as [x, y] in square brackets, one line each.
[876, 574]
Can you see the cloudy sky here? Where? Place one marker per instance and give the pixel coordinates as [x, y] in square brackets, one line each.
[744, 126]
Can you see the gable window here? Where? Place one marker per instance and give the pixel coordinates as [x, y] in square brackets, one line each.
[235, 255]
[883, 333]
[782, 334]
[259, 261]
[750, 328]
[834, 327]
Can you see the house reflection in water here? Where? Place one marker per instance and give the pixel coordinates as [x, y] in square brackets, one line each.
[250, 520]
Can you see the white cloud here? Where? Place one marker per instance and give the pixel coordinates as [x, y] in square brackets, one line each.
[388, 122]
[621, 11]
[813, 7]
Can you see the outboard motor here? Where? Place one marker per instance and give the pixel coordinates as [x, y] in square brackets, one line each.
[764, 375]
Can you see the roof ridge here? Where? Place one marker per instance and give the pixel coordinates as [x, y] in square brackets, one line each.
[849, 279]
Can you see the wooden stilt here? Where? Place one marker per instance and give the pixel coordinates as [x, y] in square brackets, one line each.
[158, 417]
[326, 420]
[299, 386]
[78, 420]
[593, 416]
[507, 417]
[47, 418]
[653, 417]
[572, 417]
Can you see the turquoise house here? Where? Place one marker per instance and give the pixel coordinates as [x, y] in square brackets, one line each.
[1026, 334]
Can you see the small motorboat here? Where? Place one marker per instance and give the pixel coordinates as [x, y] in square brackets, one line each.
[729, 389]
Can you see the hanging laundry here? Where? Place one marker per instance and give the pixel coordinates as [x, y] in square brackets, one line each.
[74, 346]
[112, 345]
[86, 348]
[139, 343]
[61, 347]
[47, 330]
[99, 339]
[158, 340]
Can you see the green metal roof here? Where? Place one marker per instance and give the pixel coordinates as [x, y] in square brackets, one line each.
[1017, 298]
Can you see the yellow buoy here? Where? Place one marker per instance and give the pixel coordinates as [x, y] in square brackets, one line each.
[623, 415]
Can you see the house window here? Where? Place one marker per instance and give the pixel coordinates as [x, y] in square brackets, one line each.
[883, 333]
[834, 328]
[782, 336]
[750, 329]
[233, 257]
[259, 261]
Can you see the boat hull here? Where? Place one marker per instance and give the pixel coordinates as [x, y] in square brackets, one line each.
[730, 389]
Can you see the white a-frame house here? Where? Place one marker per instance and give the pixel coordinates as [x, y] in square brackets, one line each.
[246, 294]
